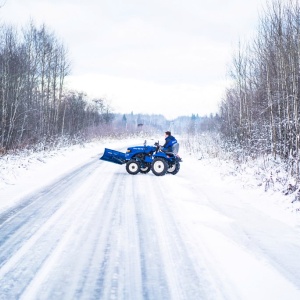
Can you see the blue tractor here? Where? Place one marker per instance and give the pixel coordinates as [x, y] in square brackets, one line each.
[142, 159]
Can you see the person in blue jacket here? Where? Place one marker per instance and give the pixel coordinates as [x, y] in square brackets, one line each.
[169, 142]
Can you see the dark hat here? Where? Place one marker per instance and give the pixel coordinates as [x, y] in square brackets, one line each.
[168, 132]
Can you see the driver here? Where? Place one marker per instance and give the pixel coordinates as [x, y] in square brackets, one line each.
[169, 142]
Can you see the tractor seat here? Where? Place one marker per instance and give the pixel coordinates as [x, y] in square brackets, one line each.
[175, 148]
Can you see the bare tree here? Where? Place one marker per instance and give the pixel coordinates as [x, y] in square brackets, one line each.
[260, 112]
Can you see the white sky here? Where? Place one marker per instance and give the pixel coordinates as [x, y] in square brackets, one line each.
[159, 56]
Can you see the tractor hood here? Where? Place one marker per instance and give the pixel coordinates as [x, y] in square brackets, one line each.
[139, 149]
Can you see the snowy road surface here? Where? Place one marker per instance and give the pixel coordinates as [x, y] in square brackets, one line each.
[100, 233]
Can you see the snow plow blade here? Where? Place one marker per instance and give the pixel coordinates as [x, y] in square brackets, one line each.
[113, 156]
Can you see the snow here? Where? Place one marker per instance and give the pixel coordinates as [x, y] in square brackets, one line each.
[75, 227]
[25, 172]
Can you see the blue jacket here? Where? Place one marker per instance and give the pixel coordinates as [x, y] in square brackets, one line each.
[170, 141]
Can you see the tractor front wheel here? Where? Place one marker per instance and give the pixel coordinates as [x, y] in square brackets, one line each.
[159, 166]
[132, 167]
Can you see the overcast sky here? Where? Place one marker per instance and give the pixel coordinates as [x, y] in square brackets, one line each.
[159, 56]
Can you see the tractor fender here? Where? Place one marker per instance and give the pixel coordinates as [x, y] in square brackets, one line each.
[161, 154]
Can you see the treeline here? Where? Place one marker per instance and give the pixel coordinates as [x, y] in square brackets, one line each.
[132, 123]
[158, 124]
[34, 104]
[260, 112]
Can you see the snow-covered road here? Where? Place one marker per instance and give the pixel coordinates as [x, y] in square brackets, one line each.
[100, 233]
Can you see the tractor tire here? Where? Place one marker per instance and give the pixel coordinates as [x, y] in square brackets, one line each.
[159, 166]
[174, 169]
[133, 167]
[145, 169]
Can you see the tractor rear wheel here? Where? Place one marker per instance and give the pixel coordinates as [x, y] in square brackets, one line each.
[174, 169]
[159, 166]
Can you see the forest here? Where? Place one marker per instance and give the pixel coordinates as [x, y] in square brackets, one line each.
[259, 114]
[35, 106]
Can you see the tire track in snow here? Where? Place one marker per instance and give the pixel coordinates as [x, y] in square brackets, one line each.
[153, 273]
[34, 210]
[186, 277]
[117, 242]
[118, 275]
[74, 256]
[25, 236]
[24, 203]
[103, 265]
